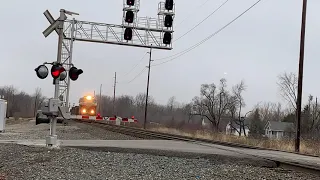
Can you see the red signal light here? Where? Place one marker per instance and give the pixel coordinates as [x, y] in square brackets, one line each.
[74, 73]
[56, 70]
[130, 2]
[129, 17]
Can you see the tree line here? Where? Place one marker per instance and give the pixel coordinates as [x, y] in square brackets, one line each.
[216, 104]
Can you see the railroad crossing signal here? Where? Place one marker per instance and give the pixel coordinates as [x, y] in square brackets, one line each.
[42, 71]
[129, 16]
[130, 2]
[168, 16]
[169, 5]
[74, 73]
[147, 34]
[128, 34]
[167, 38]
[58, 71]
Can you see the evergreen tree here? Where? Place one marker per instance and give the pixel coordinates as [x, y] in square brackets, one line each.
[256, 125]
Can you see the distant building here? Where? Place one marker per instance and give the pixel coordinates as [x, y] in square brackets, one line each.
[278, 130]
[233, 128]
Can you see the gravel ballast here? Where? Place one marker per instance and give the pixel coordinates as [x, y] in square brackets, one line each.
[28, 130]
[23, 162]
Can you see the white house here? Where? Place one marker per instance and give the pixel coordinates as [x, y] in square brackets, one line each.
[233, 128]
[278, 130]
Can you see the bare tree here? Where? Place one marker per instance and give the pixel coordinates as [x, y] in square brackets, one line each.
[270, 111]
[38, 100]
[239, 103]
[288, 84]
[212, 103]
[171, 105]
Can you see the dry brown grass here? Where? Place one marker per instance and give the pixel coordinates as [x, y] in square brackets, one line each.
[307, 146]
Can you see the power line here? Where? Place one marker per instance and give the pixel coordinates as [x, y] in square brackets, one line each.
[207, 38]
[136, 76]
[202, 21]
[136, 64]
[192, 13]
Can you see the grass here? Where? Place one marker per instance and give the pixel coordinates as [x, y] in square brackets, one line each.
[307, 147]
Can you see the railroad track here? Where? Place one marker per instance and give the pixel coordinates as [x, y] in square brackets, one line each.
[147, 134]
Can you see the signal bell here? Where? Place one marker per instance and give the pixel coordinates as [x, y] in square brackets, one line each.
[129, 17]
[74, 73]
[42, 71]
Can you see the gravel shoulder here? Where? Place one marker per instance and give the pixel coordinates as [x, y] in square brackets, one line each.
[26, 129]
[23, 162]
[28, 162]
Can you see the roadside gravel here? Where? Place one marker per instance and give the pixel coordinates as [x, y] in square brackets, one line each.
[27, 129]
[23, 162]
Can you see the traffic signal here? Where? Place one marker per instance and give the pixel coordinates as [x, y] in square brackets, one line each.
[58, 71]
[42, 71]
[168, 21]
[129, 17]
[130, 2]
[128, 34]
[169, 5]
[167, 38]
[74, 73]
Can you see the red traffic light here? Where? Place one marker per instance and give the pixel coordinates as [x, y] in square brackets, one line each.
[74, 73]
[42, 71]
[167, 38]
[57, 70]
[168, 21]
[128, 34]
[129, 17]
[130, 2]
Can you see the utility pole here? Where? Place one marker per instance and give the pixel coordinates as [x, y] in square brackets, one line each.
[100, 99]
[300, 78]
[147, 96]
[114, 92]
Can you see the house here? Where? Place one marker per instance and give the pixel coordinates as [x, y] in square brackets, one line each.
[278, 130]
[233, 128]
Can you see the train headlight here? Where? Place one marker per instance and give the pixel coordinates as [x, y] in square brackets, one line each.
[89, 98]
[92, 111]
[84, 110]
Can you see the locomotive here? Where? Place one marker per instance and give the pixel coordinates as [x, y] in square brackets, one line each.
[87, 106]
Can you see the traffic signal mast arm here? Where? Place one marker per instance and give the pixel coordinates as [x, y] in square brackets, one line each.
[111, 34]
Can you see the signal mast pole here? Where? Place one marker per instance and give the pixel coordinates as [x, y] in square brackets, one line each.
[147, 96]
[114, 92]
[100, 99]
[52, 138]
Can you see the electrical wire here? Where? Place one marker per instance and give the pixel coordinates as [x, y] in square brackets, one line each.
[136, 64]
[207, 38]
[136, 76]
[212, 13]
[187, 17]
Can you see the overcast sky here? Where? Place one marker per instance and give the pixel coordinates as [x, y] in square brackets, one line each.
[256, 48]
